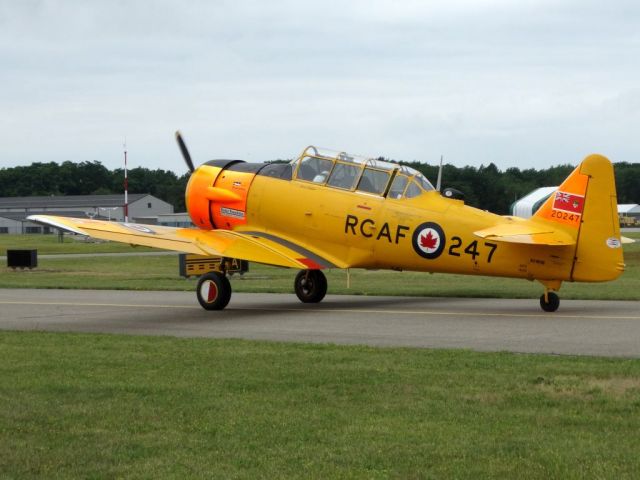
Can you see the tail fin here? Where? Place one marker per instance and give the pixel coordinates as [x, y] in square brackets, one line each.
[585, 207]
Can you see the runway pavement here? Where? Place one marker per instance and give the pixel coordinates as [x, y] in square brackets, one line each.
[603, 328]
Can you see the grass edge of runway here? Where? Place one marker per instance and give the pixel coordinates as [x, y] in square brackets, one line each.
[161, 273]
[86, 405]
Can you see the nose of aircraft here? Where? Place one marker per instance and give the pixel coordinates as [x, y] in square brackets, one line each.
[206, 203]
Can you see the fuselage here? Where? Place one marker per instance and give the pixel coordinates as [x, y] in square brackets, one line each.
[395, 221]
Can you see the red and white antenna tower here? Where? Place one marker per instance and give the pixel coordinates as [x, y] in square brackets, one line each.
[126, 185]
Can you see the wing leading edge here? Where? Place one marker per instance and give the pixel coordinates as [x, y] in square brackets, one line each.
[245, 246]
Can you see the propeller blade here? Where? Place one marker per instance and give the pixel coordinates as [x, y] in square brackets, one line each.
[185, 152]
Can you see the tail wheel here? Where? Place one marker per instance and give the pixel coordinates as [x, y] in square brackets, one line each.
[549, 302]
[310, 286]
[214, 291]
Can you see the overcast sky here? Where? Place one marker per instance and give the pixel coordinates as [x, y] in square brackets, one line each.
[517, 83]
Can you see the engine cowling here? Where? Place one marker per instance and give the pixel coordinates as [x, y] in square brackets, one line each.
[216, 194]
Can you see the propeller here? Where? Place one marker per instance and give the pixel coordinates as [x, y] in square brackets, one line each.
[185, 152]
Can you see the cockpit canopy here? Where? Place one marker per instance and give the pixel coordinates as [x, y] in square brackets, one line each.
[350, 172]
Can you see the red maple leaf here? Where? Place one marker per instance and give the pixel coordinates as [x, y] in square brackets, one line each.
[428, 241]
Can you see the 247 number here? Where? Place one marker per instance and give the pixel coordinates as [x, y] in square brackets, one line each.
[471, 249]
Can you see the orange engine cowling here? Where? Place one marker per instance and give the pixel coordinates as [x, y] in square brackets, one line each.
[216, 194]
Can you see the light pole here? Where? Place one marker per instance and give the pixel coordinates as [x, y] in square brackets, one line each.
[108, 209]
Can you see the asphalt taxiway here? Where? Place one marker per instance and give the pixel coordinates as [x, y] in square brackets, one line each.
[602, 328]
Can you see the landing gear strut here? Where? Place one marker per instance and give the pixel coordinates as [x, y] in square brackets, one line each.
[549, 301]
[214, 291]
[310, 286]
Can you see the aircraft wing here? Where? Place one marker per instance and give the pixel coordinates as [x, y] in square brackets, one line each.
[526, 232]
[256, 246]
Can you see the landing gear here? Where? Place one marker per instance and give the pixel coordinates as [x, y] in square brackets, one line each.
[549, 301]
[214, 291]
[310, 286]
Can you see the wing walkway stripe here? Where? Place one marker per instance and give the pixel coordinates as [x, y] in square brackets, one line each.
[292, 246]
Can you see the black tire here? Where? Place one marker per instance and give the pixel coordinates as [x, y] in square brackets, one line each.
[213, 291]
[552, 304]
[310, 286]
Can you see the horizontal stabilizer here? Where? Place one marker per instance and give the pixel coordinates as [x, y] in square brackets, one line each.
[526, 232]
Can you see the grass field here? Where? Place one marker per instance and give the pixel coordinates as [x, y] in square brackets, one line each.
[101, 406]
[50, 244]
[161, 273]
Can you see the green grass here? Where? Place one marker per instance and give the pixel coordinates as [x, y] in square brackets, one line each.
[49, 244]
[161, 273]
[101, 406]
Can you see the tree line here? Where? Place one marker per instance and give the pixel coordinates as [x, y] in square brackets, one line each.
[90, 178]
[484, 187]
[489, 188]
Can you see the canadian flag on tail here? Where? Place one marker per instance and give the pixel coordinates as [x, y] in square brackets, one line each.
[568, 202]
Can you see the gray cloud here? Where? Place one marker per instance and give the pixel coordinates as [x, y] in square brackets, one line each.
[518, 84]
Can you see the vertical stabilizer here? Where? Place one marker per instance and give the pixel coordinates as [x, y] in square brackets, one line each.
[585, 206]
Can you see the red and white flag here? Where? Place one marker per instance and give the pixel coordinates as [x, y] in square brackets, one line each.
[568, 202]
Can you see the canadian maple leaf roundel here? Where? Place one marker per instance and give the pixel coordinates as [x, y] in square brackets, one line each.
[429, 240]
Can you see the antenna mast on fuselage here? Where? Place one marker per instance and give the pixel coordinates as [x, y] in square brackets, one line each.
[439, 182]
[126, 185]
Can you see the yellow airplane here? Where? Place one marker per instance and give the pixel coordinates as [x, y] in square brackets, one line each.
[333, 210]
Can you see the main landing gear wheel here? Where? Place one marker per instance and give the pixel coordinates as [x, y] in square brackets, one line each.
[310, 286]
[550, 303]
[214, 291]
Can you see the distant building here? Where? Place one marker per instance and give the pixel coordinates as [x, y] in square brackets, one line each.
[14, 210]
[530, 203]
[629, 214]
[175, 220]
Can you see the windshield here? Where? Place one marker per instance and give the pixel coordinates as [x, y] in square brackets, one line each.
[344, 171]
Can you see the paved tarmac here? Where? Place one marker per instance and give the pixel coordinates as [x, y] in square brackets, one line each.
[602, 328]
